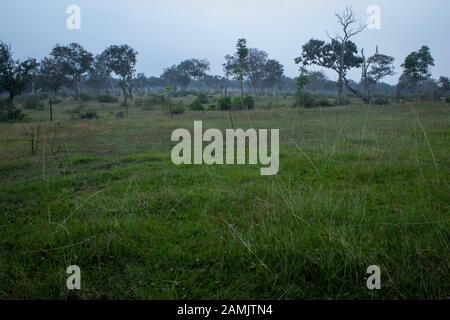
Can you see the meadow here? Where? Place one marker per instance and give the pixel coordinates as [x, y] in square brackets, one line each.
[358, 186]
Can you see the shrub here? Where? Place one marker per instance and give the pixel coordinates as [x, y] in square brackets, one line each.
[88, 115]
[196, 105]
[381, 101]
[212, 107]
[178, 109]
[225, 103]
[324, 102]
[247, 101]
[85, 97]
[447, 99]
[32, 103]
[203, 98]
[107, 99]
[306, 100]
[120, 115]
[2, 102]
[151, 101]
[16, 116]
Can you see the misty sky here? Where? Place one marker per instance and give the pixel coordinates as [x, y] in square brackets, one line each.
[168, 31]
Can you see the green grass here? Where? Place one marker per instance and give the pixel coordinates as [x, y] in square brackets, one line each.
[357, 186]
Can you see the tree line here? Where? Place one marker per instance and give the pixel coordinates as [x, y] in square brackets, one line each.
[251, 69]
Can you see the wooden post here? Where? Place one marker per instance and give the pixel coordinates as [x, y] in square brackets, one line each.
[51, 111]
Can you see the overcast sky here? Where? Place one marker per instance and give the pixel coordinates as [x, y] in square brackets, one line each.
[164, 32]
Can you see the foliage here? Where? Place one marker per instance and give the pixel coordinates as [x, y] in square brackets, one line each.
[88, 115]
[196, 105]
[416, 68]
[225, 103]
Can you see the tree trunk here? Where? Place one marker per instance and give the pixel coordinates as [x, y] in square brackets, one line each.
[77, 90]
[10, 106]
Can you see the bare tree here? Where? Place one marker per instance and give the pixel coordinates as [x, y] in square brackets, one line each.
[374, 69]
[351, 26]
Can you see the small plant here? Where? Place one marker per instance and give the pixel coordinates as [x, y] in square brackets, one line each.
[32, 133]
[212, 107]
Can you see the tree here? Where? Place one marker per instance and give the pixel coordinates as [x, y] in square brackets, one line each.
[51, 75]
[240, 68]
[374, 69]
[329, 56]
[14, 76]
[99, 76]
[176, 78]
[256, 63]
[273, 75]
[183, 74]
[74, 61]
[228, 69]
[194, 68]
[122, 61]
[347, 20]
[416, 68]
[444, 86]
[301, 81]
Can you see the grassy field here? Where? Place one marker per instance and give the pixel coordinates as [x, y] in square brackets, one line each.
[358, 186]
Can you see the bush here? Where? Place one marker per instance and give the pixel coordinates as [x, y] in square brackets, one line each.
[324, 102]
[225, 103]
[151, 101]
[212, 107]
[306, 100]
[120, 115]
[2, 102]
[16, 116]
[248, 102]
[32, 103]
[178, 109]
[107, 99]
[196, 105]
[447, 99]
[381, 101]
[86, 97]
[203, 98]
[88, 115]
